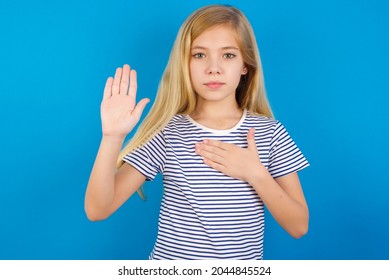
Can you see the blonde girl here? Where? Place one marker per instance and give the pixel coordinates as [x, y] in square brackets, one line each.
[212, 136]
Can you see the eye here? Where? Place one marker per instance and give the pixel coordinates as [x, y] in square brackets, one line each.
[198, 55]
[229, 55]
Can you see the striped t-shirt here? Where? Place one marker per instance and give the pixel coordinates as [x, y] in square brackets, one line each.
[205, 214]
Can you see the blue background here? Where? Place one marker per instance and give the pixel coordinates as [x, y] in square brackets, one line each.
[326, 72]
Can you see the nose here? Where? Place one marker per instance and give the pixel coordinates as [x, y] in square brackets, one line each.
[213, 66]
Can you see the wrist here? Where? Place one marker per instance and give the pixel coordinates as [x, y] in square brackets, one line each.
[258, 175]
[114, 139]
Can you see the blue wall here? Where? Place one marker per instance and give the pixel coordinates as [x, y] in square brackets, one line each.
[326, 71]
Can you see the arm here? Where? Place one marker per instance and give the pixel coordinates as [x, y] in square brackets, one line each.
[283, 196]
[285, 200]
[109, 188]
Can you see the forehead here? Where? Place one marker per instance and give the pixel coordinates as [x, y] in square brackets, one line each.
[216, 36]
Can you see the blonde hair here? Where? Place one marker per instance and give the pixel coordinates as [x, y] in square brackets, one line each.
[175, 93]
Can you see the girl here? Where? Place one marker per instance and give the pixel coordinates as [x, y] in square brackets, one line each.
[212, 135]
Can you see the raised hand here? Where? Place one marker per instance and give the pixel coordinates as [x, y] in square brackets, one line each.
[240, 163]
[119, 111]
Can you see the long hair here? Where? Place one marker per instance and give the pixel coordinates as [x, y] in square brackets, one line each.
[175, 93]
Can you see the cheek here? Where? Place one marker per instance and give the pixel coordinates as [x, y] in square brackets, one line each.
[194, 72]
[236, 76]
[191, 69]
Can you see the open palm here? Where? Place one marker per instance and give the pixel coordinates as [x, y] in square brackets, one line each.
[119, 111]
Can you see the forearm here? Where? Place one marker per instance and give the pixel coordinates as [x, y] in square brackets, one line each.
[101, 186]
[291, 214]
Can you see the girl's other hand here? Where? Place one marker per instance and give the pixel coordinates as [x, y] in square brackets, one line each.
[119, 111]
[240, 163]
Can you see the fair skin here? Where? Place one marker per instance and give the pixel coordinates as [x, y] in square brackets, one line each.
[216, 66]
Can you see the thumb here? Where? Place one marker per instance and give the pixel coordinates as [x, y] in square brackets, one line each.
[251, 140]
[140, 107]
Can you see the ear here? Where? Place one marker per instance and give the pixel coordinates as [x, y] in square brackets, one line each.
[244, 70]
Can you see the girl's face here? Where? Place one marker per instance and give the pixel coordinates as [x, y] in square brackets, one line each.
[216, 65]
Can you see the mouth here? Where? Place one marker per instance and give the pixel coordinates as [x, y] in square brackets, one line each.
[214, 85]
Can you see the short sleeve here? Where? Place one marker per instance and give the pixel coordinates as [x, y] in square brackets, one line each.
[149, 159]
[284, 156]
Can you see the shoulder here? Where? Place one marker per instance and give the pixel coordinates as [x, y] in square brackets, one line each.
[261, 122]
[177, 122]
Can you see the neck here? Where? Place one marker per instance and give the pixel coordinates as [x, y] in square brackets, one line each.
[216, 110]
[217, 116]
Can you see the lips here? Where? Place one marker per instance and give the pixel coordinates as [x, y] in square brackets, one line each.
[214, 85]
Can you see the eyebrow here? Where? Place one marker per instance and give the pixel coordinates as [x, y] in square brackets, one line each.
[223, 48]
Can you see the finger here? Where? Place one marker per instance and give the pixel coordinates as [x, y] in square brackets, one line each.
[203, 147]
[211, 156]
[251, 140]
[108, 88]
[215, 165]
[125, 79]
[140, 107]
[217, 143]
[133, 84]
[211, 153]
[116, 81]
